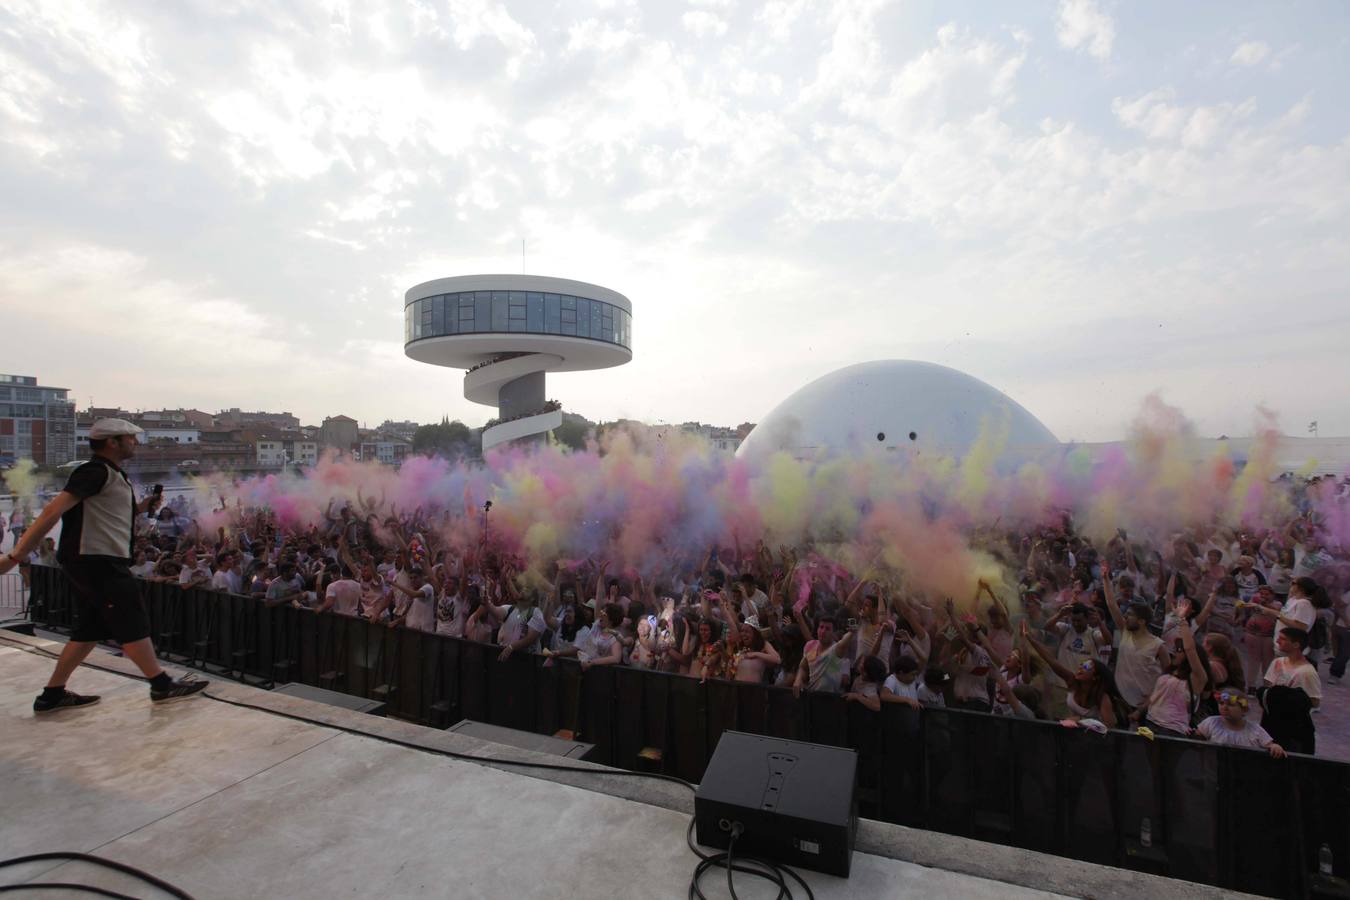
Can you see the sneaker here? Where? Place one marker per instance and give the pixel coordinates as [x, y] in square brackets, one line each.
[67, 700]
[178, 690]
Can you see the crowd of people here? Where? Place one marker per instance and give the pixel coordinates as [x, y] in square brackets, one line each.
[1198, 635]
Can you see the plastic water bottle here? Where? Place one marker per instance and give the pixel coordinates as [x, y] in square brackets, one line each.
[1324, 860]
[1146, 832]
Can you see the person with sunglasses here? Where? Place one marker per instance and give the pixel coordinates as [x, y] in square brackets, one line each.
[1091, 691]
[1231, 728]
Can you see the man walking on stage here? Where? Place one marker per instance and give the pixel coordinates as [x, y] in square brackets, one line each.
[97, 510]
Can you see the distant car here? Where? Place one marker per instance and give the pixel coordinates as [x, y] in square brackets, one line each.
[189, 464]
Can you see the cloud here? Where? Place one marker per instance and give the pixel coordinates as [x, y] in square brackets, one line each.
[702, 23]
[1083, 24]
[1250, 53]
[780, 188]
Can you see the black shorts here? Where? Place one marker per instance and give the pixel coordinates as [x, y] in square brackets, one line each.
[108, 602]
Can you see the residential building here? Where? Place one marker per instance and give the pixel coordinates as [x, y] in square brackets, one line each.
[271, 454]
[340, 432]
[386, 449]
[404, 430]
[236, 418]
[37, 422]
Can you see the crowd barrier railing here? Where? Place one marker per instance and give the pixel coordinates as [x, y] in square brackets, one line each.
[1232, 818]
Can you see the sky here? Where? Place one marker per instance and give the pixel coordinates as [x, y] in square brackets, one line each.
[213, 204]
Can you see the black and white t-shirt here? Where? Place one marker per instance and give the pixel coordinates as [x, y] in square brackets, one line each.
[101, 524]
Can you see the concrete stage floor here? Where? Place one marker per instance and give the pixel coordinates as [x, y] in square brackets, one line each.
[228, 802]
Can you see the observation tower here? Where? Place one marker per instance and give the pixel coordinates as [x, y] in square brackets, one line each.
[506, 331]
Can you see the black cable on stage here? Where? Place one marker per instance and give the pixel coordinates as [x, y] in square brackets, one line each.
[64, 886]
[769, 871]
[95, 860]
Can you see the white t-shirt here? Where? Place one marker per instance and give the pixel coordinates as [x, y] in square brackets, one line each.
[1216, 731]
[900, 689]
[225, 580]
[186, 574]
[422, 613]
[451, 615]
[972, 675]
[928, 697]
[517, 624]
[1303, 676]
[144, 570]
[1137, 668]
[1299, 609]
[346, 596]
[1075, 646]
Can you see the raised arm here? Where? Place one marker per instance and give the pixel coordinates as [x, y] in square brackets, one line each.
[1111, 603]
[46, 520]
[1199, 679]
[1207, 610]
[1044, 653]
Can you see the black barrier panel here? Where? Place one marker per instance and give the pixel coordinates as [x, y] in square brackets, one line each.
[826, 719]
[511, 691]
[690, 748]
[656, 713]
[473, 680]
[1256, 813]
[992, 777]
[785, 715]
[752, 708]
[864, 735]
[548, 697]
[1036, 791]
[414, 678]
[1139, 798]
[902, 766]
[1190, 773]
[948, 801]
[445, 695]
[720, 699]
[1319, 813]
[312, 647]
[1088, 792]
[629, 715]
[597, 712]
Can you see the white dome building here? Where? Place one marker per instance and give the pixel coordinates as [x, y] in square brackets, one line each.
[894, 404]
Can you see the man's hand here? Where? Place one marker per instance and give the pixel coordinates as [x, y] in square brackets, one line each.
[505, 654]
[1276, 750]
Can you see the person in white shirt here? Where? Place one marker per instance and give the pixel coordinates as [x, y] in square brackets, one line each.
[1141, 657]
[143, 567]
[902, 685]
[194, 572]
[342, 596]
[1231, 729]
[522, 623]
[227, 577]
[1298, 610]
[420, 613]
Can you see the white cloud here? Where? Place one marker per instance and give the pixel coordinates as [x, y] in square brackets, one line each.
[1082, 23]
[702, 23]
[1250, 53]
[915, 186]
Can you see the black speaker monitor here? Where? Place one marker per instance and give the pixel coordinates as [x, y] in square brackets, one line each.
[796, 803]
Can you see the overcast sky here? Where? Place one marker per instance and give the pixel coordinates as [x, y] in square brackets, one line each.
[210, 203]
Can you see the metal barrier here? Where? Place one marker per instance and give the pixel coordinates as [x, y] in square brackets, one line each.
[1231, 818]
[13, 595]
